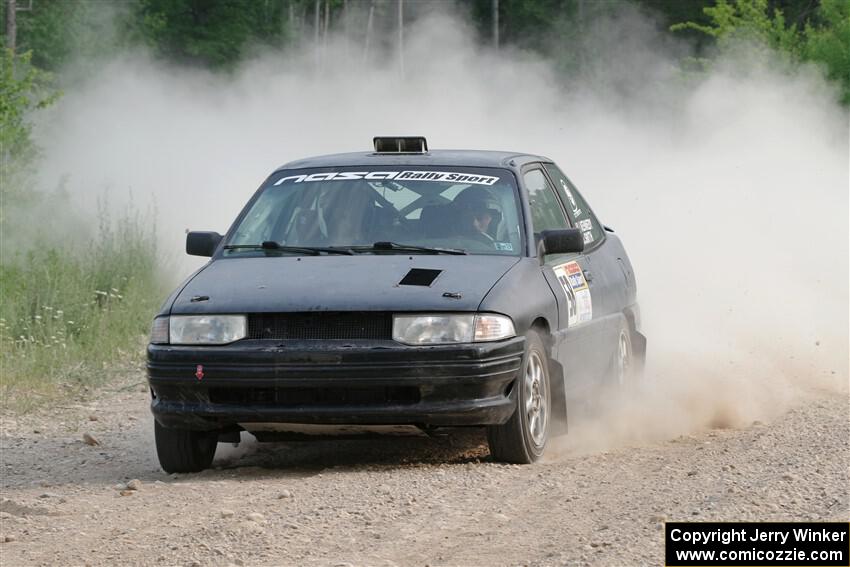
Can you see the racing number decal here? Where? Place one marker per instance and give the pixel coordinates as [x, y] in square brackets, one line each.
[572, 310]
[579, 302]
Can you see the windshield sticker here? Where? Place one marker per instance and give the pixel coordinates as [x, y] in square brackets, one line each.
[585, 225]
[579, 301]
[441, 176]
[507, 246]
[446, 176]
[588, 237]
[573, 205]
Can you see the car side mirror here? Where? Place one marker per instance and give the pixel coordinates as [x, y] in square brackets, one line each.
[202, 243]
[563, 241]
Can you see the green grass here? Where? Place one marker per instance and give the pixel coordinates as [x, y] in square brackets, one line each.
[71, 317]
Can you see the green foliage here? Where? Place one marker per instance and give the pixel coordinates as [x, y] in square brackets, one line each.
[529, 22]
[60, 31]
[70, 317]
[746, 20]
[66, 313]
[826, 41]
[671, 11]
[23, 88]
[214, 34]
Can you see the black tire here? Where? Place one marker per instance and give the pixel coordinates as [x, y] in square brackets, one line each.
[522, 439]
[183, 450]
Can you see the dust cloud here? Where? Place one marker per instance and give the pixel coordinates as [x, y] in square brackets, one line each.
[729, 188]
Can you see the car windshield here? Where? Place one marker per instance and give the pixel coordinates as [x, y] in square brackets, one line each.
[459, 208]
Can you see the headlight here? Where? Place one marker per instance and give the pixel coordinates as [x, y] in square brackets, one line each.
[206, 329]
[439, 329]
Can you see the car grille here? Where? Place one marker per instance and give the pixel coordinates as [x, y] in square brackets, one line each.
[402, 395]
[319, 326]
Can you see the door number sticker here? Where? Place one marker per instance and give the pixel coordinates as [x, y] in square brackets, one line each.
[579, 302]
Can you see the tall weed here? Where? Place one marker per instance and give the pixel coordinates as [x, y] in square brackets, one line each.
[72, 316]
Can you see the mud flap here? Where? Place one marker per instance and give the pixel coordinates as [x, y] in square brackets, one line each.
[639, 351]
[559, 399]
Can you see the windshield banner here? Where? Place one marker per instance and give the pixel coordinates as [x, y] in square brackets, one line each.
[441, 176]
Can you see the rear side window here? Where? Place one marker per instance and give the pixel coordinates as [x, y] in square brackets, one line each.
[577, 207]
[546, 213]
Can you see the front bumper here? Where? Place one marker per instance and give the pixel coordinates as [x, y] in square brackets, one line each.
[334, 382]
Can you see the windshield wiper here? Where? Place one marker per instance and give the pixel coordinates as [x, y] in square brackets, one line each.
[271, 245]
[407, 248]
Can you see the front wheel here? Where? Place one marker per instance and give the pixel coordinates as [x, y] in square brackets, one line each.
[184, 450]
[522, 439]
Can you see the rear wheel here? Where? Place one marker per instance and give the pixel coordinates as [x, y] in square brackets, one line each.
[522, 439]
[184, 450]
[624, 362]
[625, 373]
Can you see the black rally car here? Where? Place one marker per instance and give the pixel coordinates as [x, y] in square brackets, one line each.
[396, 287]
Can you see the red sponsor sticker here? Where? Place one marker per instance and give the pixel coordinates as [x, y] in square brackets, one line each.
[199, 372]
[573, 268]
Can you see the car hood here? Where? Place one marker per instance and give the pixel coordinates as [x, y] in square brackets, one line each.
[340, 283]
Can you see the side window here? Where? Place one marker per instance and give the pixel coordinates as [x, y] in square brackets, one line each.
[546, 213]
[577, 207]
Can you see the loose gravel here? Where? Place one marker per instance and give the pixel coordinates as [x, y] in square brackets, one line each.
[396, 501]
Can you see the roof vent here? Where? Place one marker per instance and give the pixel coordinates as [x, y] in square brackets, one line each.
[400, 144]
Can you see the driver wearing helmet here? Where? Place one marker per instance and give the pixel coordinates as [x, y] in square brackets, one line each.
[478, 213]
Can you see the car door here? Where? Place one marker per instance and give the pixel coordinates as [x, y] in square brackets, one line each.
[578, 333]
[604, 266]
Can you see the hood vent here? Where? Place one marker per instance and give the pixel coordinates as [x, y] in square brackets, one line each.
[420, 276]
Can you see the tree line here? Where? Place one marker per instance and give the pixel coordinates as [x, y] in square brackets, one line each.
[218, 33]
[42, 36]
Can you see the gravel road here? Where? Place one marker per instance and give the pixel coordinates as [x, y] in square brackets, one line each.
[397, 501]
